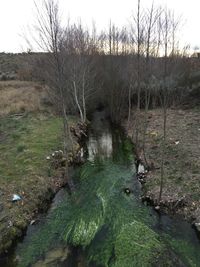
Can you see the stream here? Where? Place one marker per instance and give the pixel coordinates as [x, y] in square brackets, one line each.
[103, 223]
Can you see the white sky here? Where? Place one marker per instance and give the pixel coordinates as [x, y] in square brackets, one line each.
[17, 14]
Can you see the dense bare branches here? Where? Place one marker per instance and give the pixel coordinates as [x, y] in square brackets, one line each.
[121, 67]
[138, 66]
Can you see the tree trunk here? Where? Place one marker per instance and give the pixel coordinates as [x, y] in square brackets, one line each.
[163, 152]
[83, 98]
[77, 103]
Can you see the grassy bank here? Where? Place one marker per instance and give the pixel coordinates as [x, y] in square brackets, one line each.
[181, 193]
[27, 136]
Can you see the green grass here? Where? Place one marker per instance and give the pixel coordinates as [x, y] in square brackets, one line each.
[27, 142]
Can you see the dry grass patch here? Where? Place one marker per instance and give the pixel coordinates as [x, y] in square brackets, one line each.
[20, 96]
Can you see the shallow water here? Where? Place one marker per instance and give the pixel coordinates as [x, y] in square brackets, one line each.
[102, 223]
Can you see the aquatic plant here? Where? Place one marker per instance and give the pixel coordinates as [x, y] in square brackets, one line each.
[99, 202]
[103, 217]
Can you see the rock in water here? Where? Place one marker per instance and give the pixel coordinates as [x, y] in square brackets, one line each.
[157, 208]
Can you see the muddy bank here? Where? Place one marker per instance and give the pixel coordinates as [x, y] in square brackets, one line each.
[39, 184]
[181, 191]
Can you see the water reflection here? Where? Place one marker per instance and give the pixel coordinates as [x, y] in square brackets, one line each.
[101, 146]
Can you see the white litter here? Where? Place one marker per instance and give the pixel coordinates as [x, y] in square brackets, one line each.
[10, 224]
[32, 222]
[16, 197]
[141, 168]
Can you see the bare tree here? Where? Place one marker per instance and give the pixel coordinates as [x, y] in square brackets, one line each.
[126, 64]
[50, 39]
[79, 49]
[168, 81]
[151, 17]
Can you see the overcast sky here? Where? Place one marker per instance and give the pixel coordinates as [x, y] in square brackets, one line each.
[15, 15]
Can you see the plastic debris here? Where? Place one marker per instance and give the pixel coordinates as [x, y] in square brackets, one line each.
[177, 142]
[48, 158]
[81, 153]
[32, 222]
[10, 224]
[141, 169]
[16, 198]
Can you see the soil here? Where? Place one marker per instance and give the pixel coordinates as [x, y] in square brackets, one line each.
[181, 191]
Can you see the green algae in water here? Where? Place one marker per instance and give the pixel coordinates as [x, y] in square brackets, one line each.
[187, 251]
[113, 228]
[122, 148]
[136, 245]
[99, 201]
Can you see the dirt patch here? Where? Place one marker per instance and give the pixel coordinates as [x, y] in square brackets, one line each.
[181, 193]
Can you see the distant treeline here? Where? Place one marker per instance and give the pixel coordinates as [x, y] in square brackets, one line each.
[141, 65]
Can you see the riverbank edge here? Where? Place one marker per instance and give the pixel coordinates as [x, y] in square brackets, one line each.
[172, 207]
[14, 233]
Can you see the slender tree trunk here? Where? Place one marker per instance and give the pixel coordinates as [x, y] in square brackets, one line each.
[110, 39]
[138, 77]
[77, 102]
[129, 105]
[164, 103]
[163, 150]
[147, 100]
[66, 129]
[83, 98]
